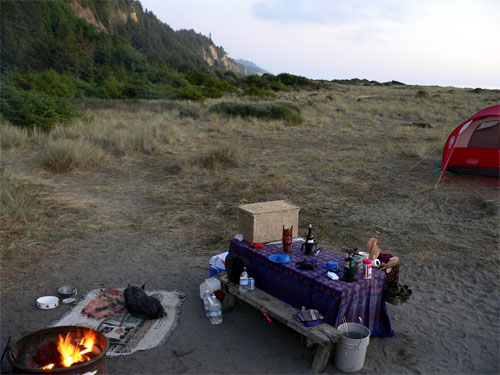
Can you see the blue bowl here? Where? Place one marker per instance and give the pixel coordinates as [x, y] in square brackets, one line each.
[332, 266]
[280, 258]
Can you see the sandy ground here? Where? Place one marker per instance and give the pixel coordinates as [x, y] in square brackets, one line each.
[449, 326]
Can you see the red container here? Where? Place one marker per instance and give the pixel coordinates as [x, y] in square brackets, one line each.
[367, 268]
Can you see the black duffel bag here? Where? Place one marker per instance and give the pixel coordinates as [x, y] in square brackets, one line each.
[234, 267]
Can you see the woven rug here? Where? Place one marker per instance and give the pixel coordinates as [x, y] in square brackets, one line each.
[104, 310]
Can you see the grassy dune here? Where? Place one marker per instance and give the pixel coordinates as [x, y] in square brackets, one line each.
[360, 164]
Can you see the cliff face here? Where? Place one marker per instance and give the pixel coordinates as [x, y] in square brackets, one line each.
[219, 58]
[86, 15]
[127, 18]
[105, 15]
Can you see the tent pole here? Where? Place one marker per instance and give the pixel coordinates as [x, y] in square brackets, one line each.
[441, 176]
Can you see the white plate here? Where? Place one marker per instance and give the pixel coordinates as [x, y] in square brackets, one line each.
[47, 302]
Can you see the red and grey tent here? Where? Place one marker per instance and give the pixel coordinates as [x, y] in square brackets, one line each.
[474, 146]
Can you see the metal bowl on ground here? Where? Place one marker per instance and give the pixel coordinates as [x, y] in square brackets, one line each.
[67, 291]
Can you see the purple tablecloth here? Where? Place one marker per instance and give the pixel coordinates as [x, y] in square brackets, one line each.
[313, 289]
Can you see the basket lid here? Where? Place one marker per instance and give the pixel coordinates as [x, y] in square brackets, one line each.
[263, 207]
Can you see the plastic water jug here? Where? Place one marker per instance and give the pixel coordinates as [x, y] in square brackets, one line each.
[214, 309]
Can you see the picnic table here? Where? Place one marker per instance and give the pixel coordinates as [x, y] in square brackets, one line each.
[334, 299]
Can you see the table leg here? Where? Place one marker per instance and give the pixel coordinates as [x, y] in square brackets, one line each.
[306, 341]
[321, 358]
[228, 302]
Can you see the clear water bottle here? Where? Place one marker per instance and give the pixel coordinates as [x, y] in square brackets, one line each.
[215, 309]
[205, 302]
[244, 281]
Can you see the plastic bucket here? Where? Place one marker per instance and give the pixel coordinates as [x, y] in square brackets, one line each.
[351, 349]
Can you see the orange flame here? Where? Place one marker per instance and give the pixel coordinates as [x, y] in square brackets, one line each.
[71, 353]
[48, 367]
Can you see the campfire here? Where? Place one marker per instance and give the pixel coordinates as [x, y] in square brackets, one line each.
[72, 348]
[60, 350]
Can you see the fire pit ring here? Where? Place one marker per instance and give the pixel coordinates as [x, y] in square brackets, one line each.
[22, 355]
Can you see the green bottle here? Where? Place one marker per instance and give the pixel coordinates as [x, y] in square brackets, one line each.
[310, 237]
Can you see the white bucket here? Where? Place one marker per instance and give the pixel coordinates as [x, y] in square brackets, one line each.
[350, 351]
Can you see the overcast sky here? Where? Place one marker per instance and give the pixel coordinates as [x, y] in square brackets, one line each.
[425, 42]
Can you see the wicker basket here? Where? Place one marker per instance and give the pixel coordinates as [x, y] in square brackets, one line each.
[263, 222]
[391, 273]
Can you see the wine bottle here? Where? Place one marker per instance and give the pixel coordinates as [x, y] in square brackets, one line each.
[310, 237]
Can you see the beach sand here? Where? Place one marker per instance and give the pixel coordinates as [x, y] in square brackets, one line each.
[449, 326]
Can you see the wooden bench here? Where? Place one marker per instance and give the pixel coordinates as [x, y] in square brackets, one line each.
[323, 335]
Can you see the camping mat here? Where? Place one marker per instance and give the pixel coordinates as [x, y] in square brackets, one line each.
[104, 310]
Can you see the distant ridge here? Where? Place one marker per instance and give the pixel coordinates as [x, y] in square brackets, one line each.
[252, 68]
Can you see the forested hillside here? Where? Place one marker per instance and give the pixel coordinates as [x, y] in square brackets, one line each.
[98, 40]
[53, 49]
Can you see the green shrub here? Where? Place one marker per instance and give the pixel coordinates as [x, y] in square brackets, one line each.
[34, 108]
[292, 80]
[257, 91]
[110, 87]
[393, 83]
[135, 87]
[192, 112]
[279, 86]
[212, 92]
[191, 93]
[422, 94]
[166, 75]
[50, 82]
[267, 111]
[197, 78]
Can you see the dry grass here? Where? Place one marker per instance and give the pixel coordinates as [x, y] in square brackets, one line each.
[32, 219]
[15, 203]
[222, 157]
[64, 155]
[144, 132]
[12, 136]
[356, 166]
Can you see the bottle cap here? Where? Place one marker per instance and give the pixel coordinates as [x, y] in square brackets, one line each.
[367, 261]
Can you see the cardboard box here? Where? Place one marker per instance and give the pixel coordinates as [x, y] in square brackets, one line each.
[263, 222]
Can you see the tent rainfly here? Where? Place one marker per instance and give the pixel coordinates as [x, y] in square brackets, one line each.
[474, 146]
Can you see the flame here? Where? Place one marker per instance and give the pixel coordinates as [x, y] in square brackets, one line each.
[71, 353]
[48, 367]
